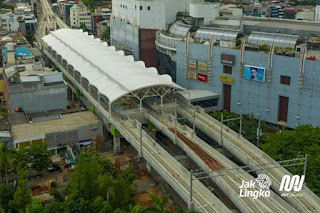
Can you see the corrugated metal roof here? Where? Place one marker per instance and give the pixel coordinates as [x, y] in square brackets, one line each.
[280, 40]
[26, 79]
[218, 34]
[179, 29]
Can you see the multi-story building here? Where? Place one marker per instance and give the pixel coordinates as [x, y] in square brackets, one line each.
[34, 88]
[134, 24]
[13, 54]
[79, 15]
[256, 65]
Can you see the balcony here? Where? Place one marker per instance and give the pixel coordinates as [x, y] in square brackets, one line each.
[167, 44]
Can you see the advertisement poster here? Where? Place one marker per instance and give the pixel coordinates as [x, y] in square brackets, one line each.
[202, 77]
[202, 66]
[254, 73]
[192, 75]
[192, 64]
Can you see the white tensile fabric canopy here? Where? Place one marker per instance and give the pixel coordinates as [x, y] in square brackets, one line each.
[112, 73]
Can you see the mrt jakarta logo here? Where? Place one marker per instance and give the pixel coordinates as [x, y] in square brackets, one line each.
[249, 188]
[291, 184]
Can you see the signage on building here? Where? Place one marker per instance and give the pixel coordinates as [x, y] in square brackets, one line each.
[202, 77]
[202, 66]
[192, 64]
[254, 73]
[226, 79]
[192, 75]
[228, 59]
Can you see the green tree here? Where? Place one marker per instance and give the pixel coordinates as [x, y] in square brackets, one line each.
[6, 158]
[40, 156]
[35, 206]
[159, 205]
[129, 175]
[56, 194]
[21, 158]
[54, 207]
[84, 27]
[37, 155]
[106, 35]
[29, 36]
[288, 144]
[21, 197]
[6, 194]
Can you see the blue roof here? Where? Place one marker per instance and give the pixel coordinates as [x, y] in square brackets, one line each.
[20, 51]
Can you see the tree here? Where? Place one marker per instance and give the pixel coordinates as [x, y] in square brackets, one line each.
[21, 197]
[35, 206]
[129, 175]
[37, 155]
[29, 36]
[84, 27]
[40, 156]
[288, 144]
[6, 194]
[5, 159]
[106, 35]
[56, 194]
[54, 207]
[159, 205]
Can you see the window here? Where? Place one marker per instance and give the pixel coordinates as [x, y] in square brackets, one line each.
[284, 80]
[148, 7]
[227, 69]
[140, 7]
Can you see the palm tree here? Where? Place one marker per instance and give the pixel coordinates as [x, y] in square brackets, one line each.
[159, 205]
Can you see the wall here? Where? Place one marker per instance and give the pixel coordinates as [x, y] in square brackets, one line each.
[125, 35]
[148, 51]
[255, 96]
[50, 98]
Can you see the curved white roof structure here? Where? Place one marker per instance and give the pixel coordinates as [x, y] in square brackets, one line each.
[112, 73]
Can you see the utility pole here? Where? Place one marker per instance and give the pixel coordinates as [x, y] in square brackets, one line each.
[240, 128]
[194, 122]
[221, 130]
[258, 130]
[140, 152]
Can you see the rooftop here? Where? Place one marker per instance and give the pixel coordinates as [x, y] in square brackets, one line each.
[66, 123]
[197, 95]
[21, 51]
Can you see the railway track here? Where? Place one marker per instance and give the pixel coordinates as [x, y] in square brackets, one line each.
[233, 181]
[181, 179]
[306, 203]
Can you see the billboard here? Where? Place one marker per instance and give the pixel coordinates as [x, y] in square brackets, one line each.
[192, 75]
[254, 73]
[228, 59]
[203, 66]
[202, 77]
[192, 64]
[226, 79]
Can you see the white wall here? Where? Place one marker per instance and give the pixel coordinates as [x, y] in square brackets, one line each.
[317, 13]
[305, 15]
[154, 14]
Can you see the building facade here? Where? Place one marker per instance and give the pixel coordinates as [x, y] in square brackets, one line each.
[79, 15]
[134, 24]
[33, 88]
[284, 97]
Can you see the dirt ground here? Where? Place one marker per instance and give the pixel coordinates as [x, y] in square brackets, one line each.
[143, 183]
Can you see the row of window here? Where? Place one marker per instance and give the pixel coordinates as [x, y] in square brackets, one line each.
[135, 7]
[283, 79]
